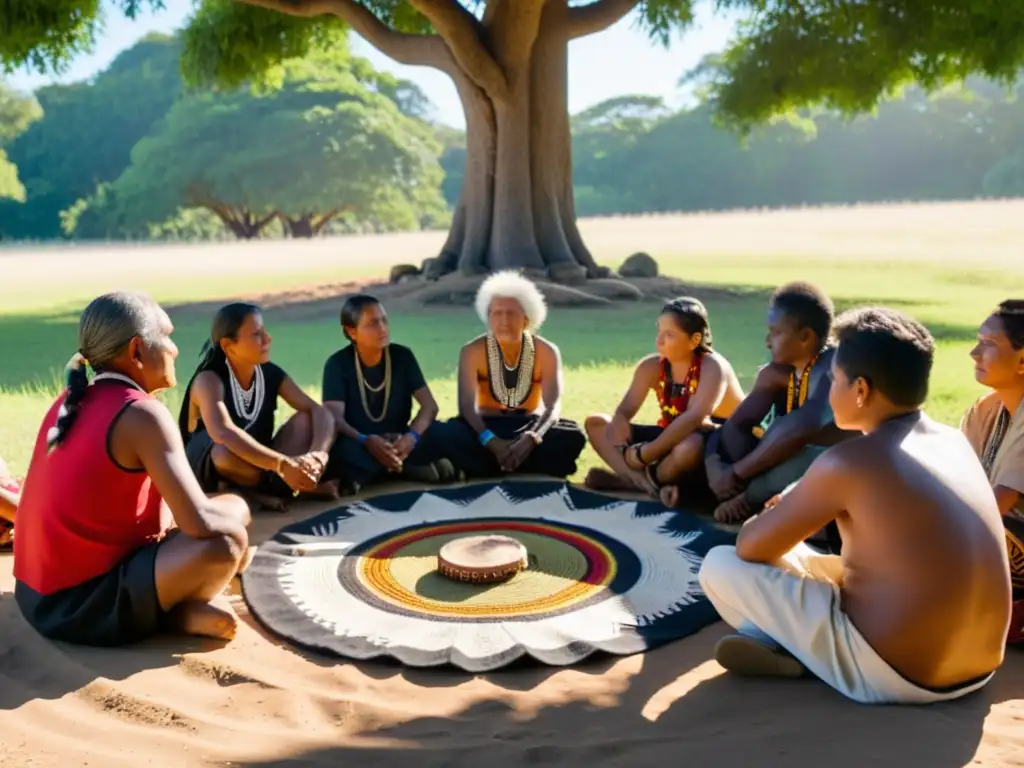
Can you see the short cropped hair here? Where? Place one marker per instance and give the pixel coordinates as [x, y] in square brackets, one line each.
[890, 350]
[1011, 313]
[808, 305]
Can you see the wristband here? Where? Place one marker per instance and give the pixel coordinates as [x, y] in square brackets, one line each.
[486, 436]
[414, 435]
[361, 437]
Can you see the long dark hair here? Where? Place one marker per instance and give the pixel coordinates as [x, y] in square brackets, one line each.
[226, 324]
[105, 328]
[691, 316]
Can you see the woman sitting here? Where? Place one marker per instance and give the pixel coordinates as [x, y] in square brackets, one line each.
[116, 539]
[369, 387]
[994, 426]
[696, 388]
[227, 417]
[10, 496]
[510, 390]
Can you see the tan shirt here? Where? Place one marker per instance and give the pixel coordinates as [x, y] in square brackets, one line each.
[1008, 467]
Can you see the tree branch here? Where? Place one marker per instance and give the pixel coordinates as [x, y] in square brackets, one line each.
[461, 33]
[414, 50]
[597, 16]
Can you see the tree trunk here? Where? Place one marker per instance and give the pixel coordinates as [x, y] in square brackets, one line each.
[300, 227]
[516, 207]
[242, 224]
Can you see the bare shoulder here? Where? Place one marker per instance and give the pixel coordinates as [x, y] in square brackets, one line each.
[474, 349]
[545, 347]
[772, 376]
[208, 384]
[148, 419]
[649, 367]
[716, 363]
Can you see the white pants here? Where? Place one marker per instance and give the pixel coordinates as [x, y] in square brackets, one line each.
[796, 605]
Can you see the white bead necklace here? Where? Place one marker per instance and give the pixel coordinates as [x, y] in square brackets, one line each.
[116, 377]
[248, 403]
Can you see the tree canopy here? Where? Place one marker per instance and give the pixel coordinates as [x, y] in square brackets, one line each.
[326, 141]
[17, 113]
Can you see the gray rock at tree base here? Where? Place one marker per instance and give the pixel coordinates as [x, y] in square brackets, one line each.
[639, 265]
[403, 272]
[567, 273]
[616, 290]
[602, 273]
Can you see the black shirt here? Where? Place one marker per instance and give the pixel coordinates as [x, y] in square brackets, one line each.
[341, 384]
[262, 429]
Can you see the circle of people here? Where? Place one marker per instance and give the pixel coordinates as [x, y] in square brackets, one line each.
[880, 551]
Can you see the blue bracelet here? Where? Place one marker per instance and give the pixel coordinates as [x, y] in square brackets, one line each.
[361, 437]
[486, 436]
[413, 434]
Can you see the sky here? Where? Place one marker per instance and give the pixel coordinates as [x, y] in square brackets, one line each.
[621, 60]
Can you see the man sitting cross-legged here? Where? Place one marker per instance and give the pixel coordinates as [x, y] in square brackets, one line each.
[785, 422]
[369, 387]
[915, 610]
[116, 540]
[510, 390]
[696, 388]
[994, 426]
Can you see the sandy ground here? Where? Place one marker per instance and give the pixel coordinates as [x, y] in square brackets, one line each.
[177, 702]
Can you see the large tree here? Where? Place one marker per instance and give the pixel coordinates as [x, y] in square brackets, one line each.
[328, 140]
[508, 60]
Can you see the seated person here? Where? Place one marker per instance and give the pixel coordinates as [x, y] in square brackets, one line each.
[994, 426]
[10, 495]
[695, 386]
[785, 422]
[227, 417]
[369, 387]
[510, 390]
[915, 609]
[116, 540]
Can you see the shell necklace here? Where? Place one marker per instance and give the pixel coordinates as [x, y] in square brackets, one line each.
[510, 398]
[248, 402]
[116, 377]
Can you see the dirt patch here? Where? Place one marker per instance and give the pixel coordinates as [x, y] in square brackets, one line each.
[415, 294]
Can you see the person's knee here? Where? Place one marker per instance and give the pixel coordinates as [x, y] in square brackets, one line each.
[233, 468]
[595, 426]
[689, 452]
[717, 570]
[224, 550]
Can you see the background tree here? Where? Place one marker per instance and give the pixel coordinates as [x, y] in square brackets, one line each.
[508, 60]
[325, 141]
[88, 131]
[17, 113]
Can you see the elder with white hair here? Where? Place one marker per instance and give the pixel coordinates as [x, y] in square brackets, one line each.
[510, 390]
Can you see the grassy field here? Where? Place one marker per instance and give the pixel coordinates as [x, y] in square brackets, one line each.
[42, 291]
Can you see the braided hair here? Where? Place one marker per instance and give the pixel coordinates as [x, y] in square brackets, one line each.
[1011, 313]
[226, 324]
[105, 328]
[691, 316]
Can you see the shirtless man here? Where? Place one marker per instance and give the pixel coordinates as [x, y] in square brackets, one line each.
[916, 608]
[510, 390]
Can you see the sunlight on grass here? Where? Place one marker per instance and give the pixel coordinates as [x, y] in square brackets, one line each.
[600, 347]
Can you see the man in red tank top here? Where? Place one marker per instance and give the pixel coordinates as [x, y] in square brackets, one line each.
[99, 557]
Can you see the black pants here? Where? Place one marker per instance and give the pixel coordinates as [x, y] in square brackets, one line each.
[355, 467]
[555, 456]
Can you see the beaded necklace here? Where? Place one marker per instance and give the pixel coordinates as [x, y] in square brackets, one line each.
[515, 397]
[672, 400]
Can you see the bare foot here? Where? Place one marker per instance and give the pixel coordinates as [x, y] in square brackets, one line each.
[670, 495]
[736, 510]
[329, 490]
[215, 620]
[246, 560]
[262, 501]
[604, 480]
